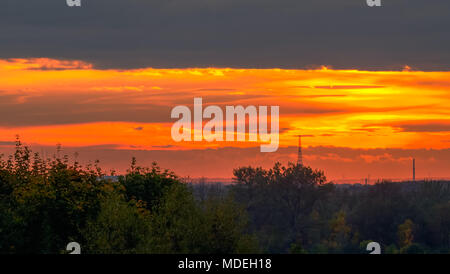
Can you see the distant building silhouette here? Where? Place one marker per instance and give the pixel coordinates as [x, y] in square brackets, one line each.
[299, 155]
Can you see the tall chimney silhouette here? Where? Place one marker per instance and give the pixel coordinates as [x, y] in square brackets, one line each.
[414, 170]
[299, 155]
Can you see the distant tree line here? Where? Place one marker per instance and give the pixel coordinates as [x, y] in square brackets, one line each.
[293, 210]
[47, 203]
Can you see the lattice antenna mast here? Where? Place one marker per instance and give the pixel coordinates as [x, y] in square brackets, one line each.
[300, 155]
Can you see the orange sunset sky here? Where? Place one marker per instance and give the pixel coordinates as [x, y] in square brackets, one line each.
[355, 123]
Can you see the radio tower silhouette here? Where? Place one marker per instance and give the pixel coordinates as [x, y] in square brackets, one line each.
[299, 155]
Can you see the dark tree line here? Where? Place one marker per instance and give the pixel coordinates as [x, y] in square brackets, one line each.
[47, 203]
[293, 209]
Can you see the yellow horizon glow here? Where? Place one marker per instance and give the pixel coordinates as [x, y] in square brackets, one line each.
[343, 108]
